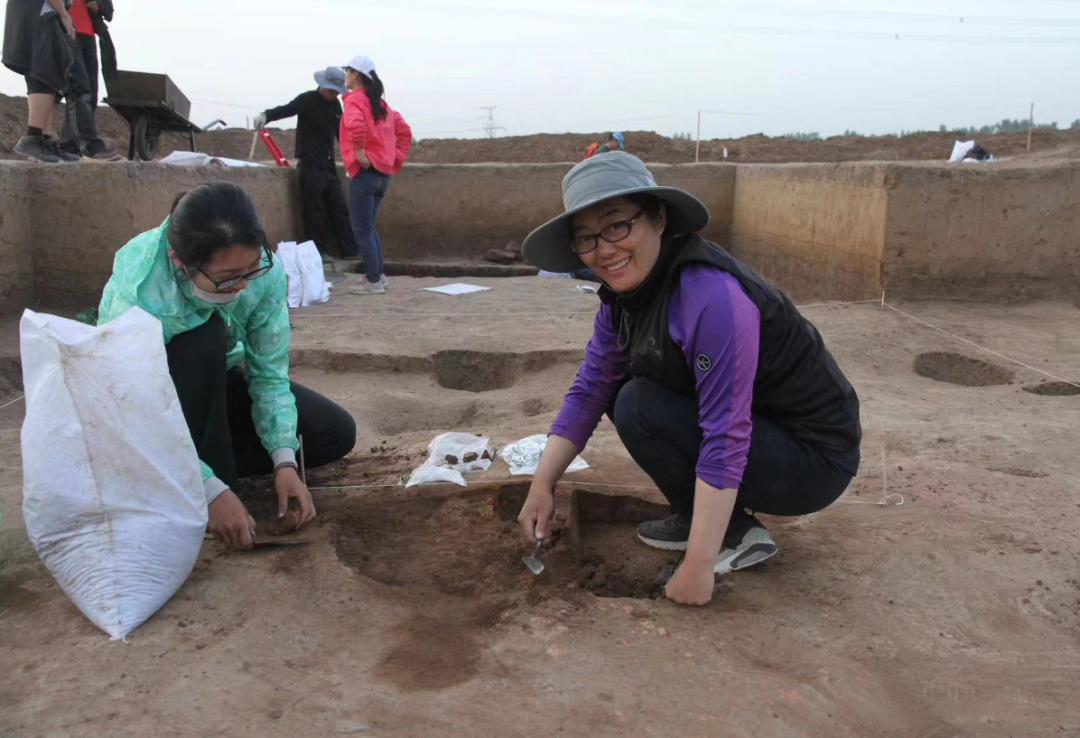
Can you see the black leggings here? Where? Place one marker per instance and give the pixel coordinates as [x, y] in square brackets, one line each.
[217, 408]
[784, 476]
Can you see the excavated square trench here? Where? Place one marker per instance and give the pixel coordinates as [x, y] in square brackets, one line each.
[467, 544]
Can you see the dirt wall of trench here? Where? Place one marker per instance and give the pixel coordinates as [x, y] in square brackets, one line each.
[16, 261]
[820, 231]
[985, 232]
[459, 211]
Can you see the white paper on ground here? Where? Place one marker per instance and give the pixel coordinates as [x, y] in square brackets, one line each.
[112, 491]
[960, 149]
[458, 288]
[524, 456]
[199, 159]
[458, 445]
[304, 273]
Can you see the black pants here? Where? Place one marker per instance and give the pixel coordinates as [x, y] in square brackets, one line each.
[784, 476]
[79, 134]
[217, 408]
[325, 211]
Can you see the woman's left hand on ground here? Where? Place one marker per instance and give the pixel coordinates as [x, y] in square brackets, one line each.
[288, 484]
[691, 585]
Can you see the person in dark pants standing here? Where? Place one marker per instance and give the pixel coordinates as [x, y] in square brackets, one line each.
[720, 390]
[36, 37]
[318, 118]
[207, 273]
[79, 135]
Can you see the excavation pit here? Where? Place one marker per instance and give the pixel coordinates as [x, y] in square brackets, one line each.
[467, 544]
[946, 366]
[1054, 389]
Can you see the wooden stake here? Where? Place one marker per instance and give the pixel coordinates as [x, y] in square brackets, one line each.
[697, 149]
[303, 470]
[254, 140]
[1031, 124]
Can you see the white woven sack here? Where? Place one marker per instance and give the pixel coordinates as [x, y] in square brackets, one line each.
[112, 493]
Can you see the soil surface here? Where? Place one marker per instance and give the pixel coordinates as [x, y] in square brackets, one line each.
[235, 143]
[410, 613]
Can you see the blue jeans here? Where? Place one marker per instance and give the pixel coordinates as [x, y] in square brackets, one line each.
[366, 193]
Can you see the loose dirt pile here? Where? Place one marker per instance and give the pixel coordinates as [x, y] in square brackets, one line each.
[545, 147]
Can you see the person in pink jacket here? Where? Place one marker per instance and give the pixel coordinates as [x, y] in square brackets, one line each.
[375, 141]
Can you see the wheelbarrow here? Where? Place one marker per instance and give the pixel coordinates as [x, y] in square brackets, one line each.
[152, 104]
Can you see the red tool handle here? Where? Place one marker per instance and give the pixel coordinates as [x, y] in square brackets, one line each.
[274, 149]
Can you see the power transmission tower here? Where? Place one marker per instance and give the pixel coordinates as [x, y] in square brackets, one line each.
[490, 128]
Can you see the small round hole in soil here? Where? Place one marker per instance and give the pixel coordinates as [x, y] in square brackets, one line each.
[946, 366]
[477, 371]
[1054, 389]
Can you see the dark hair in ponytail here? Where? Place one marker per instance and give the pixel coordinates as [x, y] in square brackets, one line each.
[212, 217]
[373, 88]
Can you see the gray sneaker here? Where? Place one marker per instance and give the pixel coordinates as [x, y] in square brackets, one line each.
[367, 288]
[746, 544]
[35, 147]
[53, 148]
[670, 534]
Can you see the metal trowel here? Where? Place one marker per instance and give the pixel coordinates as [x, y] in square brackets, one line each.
[536, 566]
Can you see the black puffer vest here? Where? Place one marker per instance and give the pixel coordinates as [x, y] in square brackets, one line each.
[798, 384]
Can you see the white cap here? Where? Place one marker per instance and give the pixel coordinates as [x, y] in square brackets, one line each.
[362, 64]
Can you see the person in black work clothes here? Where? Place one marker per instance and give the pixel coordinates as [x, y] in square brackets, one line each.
[318, 119]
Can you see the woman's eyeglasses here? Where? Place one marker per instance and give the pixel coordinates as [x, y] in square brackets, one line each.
[612, 233]
[224, 284]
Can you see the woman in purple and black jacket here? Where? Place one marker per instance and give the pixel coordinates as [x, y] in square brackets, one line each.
[721, 391]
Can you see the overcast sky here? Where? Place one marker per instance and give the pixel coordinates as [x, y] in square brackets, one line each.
[554, 66]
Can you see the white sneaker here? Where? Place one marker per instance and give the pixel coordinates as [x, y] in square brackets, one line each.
[384, 281]
[368, 288]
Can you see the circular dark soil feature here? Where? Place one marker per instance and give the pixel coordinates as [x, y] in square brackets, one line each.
[1054, 389]
[477, 371]
[946, 366]
[468, 544]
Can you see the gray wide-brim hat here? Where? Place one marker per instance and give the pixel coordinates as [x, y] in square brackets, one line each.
[600, 178]
[332, 78]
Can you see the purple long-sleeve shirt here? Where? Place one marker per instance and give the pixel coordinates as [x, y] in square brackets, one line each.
[708, 314]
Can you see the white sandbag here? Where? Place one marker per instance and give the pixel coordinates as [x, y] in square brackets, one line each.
[960, 149]
[112, 492]
[304, 273]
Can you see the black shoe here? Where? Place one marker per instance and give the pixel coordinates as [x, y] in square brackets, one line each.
[746, 543]
[53, 148]
[35, 148]
[670, 534]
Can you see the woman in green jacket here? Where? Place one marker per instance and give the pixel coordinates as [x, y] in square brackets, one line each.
[208, 274]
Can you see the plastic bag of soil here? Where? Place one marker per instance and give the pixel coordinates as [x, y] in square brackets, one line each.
[450, 456]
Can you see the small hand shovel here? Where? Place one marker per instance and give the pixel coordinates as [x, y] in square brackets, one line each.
[536, 566]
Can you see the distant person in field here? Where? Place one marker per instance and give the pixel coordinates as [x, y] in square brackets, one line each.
[720, 390]
[615, 142]
[375, 141]
[318, 120]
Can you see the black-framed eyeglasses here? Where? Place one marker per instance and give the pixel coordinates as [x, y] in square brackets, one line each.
[225, 284]
[612, 233]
